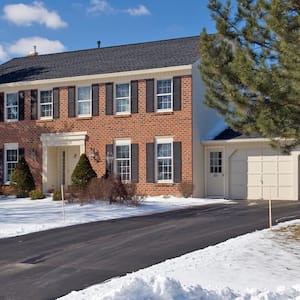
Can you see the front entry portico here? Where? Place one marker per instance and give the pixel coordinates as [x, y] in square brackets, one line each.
[61, 152]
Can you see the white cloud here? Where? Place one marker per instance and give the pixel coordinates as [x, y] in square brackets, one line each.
[43, 46]
[25, 15]
[99, 6]
[102, 6]
[3, 54]
[140, 11]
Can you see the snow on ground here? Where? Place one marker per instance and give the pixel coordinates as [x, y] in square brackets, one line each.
[264, 265]
[22, 216]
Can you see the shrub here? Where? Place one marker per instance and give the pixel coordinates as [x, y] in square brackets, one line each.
[186, 189]
[21, 179]
[36, 194]
[56, 196]
[82, 173]
[7, 190]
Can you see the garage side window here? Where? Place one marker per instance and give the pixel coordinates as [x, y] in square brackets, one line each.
[215, 162]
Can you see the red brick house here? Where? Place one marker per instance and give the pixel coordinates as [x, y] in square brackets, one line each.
[137, 109]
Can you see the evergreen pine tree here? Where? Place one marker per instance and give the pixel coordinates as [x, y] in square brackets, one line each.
[251, 67]
[82, 173]
[21, 179]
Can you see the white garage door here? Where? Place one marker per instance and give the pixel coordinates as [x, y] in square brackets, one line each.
[269, 175]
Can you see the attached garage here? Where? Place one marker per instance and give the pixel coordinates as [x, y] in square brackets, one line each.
[251, 170]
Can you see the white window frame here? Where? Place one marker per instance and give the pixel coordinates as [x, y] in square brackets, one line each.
[6, 107]
[122, 142]
[122, 98]
[9, 146]
[163, 94]
[40, 105]
[84, 100]
[164, 140]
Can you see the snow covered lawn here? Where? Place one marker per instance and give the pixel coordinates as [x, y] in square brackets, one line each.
[264, 265]
[22, 216]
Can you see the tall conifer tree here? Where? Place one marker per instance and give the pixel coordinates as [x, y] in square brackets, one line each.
[251, 67]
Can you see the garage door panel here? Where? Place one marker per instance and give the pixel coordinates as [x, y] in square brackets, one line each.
[269, 167]
[254, 167]
[285, 179]
[254, 180]
[269, 179]
[285, 192]
[254, 192]
[284, 166]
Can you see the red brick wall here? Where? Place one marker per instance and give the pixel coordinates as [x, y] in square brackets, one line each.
[141, 128]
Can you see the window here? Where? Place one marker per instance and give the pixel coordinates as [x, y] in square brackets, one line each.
[164, 160]
[164, 97]
[122, 160]
[46, 104]
[11, 160]
[215, 159]
[122, 99]
[84, 103]
[12, 107]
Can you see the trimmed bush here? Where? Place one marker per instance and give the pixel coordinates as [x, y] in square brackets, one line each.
[82, 174]
[36, 194]
[186, 189]
[21, 179]
[56, 196]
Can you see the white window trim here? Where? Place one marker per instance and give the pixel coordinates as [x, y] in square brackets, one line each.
[39, 108]
[9, 146]
[115, 99]
[77, 101]
[164, 140]
[11, 120]
[122, 142]
[156, 96]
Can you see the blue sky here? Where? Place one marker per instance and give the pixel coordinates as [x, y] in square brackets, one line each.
[64, 25]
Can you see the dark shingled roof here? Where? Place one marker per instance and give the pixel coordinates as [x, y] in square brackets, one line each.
[167, 53]
[230, 134]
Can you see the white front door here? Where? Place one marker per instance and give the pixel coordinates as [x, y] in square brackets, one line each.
[215, 172]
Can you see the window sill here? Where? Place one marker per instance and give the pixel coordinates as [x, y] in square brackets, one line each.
[165, 184]
[44, 120]
[163, 113]
[122, 116]
[84, 118]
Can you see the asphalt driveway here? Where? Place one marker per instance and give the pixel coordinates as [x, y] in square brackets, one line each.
[49, 264]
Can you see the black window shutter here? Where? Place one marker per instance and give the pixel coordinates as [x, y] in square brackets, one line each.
[177, 161]
[176, 93]
[33, 105]
[135, 163]
[56, 103]
[95, 99]
[150, 163]
[150, 95]
[21, 105]
[1, 107]
[1, 166]
[21, 152]
[134, 97]
[71, 102]
[109, 150]
[109, 104]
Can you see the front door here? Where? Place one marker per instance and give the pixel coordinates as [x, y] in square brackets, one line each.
[215, 173]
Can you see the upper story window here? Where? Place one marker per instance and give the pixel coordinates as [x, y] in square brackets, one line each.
[164, 96]
[122, 98]
[12, 108]
[164, 160]
[122, 160]
[46, 104]
[84, 101]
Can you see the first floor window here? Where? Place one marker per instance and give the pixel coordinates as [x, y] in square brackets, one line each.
[122, 98]
[122, 161]
[84, 102]
[46, 104]
[164, 161]
[11, 160]
[164, 95]
[12, 107]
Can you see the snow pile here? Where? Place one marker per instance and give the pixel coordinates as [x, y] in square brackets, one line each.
[22, 216]
[264, 265]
